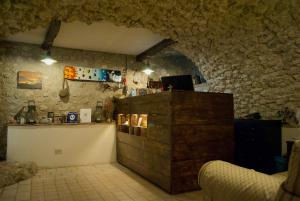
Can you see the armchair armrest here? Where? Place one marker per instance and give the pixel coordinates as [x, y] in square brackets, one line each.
[222, 181]
[290, 189]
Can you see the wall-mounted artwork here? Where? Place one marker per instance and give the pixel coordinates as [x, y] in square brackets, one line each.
[29, 80]
[92, 74]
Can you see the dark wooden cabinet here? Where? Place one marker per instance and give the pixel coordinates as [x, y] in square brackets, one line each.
[184, 131]
[257, 143]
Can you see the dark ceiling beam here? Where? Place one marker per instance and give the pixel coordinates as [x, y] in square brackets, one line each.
[51, 34]
[155, 49]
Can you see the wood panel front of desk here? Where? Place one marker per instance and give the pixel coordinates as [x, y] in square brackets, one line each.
[185, 130]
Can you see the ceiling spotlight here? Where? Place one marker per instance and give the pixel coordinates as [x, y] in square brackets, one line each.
[148, 71]
[48, 60]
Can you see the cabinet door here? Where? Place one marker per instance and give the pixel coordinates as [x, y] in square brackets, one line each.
[246, 144]
[257, 143]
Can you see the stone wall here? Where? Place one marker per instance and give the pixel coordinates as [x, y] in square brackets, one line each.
[248, 47]
[172, 59]
[256, 57]
[15, 57]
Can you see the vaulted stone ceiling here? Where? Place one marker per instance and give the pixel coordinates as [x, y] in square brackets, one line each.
[250, 47]
[187, 21]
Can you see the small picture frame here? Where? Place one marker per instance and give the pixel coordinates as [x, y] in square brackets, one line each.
[29, 80]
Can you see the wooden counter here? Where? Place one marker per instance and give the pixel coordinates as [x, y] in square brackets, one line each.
[185, 130]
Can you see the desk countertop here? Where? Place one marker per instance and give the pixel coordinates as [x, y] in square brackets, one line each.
[63, 124]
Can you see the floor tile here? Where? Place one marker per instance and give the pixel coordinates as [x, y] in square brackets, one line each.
[108, 182]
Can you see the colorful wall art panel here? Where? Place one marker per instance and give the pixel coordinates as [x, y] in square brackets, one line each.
[29, 80]
[92, 74]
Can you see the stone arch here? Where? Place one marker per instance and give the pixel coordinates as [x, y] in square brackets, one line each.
[249, 47]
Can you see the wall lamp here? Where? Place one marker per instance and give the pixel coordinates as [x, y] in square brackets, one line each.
[48, 60]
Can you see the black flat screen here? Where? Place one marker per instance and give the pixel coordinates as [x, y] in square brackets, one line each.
[180, 82]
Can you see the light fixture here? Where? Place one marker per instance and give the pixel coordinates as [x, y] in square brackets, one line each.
[148, 71]
[48, 60]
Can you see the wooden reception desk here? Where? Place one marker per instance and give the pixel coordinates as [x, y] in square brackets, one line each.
[183, 130]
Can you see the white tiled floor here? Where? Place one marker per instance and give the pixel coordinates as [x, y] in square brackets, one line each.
[111, 182]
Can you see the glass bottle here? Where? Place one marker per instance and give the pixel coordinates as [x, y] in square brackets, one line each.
[98, 115]
[31, 114]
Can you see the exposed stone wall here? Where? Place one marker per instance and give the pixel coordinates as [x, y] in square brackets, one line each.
[249, 47]
[15, 57]
[258, 58]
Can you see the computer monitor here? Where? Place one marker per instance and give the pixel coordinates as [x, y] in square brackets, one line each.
[179, 82]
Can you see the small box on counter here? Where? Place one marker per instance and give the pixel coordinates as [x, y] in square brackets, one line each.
[57, 119]
[85, 115]
[72, 117]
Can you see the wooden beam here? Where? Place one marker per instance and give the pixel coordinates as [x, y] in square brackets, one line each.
[51, 34]
[155, 49]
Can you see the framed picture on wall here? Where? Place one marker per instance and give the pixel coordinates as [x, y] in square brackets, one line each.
[29, 80]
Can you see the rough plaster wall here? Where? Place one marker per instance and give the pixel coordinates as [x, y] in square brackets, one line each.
[249, 47]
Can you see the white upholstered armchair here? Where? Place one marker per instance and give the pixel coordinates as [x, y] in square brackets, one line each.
[222, 181]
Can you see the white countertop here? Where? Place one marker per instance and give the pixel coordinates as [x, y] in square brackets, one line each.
[62, 124]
